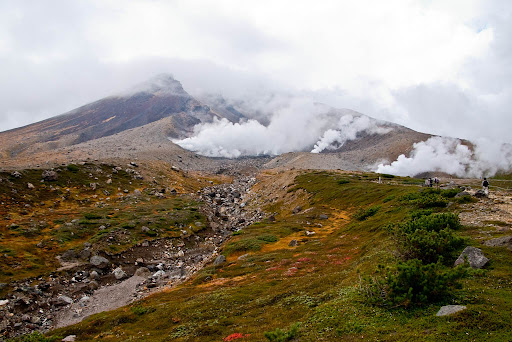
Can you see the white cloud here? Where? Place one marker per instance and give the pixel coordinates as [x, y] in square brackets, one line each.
[381, 58]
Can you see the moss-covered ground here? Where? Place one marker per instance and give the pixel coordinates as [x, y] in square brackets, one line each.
[266, 285]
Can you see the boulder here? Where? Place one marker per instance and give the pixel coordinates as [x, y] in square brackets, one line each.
[293, 243]
[297, 209]
[480, 194]
[323, 217]
[69, 338]
[219, 260]
[93, 285]
[62, 300]
[94, 275]
[16, 174]
[99, 262]
[462, 194]
[30, 186]
[119, 273]
[49, 175]
[450, 309]
[474, 256]
[499, 242]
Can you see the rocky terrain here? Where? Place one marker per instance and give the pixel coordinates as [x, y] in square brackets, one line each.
[107, 281]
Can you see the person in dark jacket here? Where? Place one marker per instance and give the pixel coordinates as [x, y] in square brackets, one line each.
[485, 185]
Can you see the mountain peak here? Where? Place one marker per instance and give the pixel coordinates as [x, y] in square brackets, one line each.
[161, 84]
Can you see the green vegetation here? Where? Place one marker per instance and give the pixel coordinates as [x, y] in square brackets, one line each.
[412, 283]
[323, 282]
[279, 335]
[363, 214]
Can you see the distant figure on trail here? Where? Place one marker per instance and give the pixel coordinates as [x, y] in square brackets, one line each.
[436, 180]
[427, 182]
[430, 182]
[485, 185]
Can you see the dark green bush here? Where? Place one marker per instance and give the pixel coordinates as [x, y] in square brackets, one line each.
[343, 181]
[72, 168]
[279, 335]
[428, 198]
[428, 238]
[243, 245]
[363, 214]
[267, 238]
[141, 310]
[91, 216]
[385, 175]
[412, 283]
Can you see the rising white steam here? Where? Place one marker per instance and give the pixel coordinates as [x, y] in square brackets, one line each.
[348, 128]
[451, 156]
[297, 125]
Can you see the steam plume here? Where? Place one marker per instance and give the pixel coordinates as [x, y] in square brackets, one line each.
[451, 156]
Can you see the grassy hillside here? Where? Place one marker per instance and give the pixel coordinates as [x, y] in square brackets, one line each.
[318, 289]
[88, 203]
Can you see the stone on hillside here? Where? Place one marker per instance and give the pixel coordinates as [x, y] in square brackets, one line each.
[158, 274]
[474, 256]
[134, 164]
[293, 243]
[94, 275]
[297, 209]
[144, 229]
[63, 300]
[109, 181]
[16, 174]
[450, 309]
[480, 194]
[243, 257]
[49, 175]
[323, 217]
[30, 186]
[309, 233]
[4, 302]
[499, 242]
[219, 260]
[93, 285]
[462, 194]
[119, 273]
[137, 193]
[142, 272]
[99, 262]
[69, 338]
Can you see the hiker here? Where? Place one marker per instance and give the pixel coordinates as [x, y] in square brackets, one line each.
[430, 182]
[485, 185]
[436, 180]
[427, 182]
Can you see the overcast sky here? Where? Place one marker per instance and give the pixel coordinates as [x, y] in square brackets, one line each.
[442, 67]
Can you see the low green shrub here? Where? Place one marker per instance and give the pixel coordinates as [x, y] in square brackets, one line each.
[363, 214]
[343, 181]
[251, 244]
[268, 238]
[141, 310]
[34, 337]
[73, 168]
[428, 238]
[412, 283]
[279, 335]
[92, 216]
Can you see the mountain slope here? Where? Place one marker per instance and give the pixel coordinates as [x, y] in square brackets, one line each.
[159, 98]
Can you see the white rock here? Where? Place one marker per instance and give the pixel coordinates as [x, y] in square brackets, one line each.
[450, 309]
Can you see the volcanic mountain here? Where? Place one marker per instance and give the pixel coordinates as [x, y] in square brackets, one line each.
[140, 123]
[159, 98]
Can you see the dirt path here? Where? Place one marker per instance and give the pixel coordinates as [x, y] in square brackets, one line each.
[104, 299]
